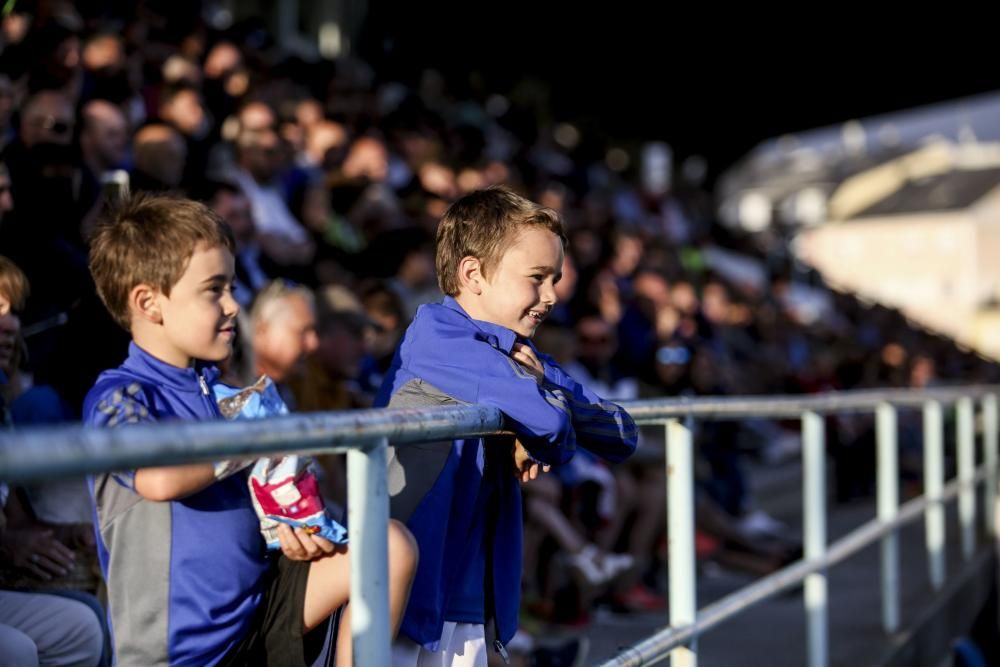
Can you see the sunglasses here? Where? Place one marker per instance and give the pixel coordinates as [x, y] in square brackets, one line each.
[54, 125]
[670, 356]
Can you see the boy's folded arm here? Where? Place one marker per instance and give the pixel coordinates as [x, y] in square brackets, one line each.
[601, 427]
[473, 371]
[540, 418]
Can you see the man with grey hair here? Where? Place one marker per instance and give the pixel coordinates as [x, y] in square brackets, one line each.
[283, 332]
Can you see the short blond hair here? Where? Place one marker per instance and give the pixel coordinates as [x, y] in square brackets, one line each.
[149, 239]
[484, 224]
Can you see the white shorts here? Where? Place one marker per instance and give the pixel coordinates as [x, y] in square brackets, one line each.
[462, 645]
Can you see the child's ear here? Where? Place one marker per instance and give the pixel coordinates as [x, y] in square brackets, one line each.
[470, 274]
[144, 303]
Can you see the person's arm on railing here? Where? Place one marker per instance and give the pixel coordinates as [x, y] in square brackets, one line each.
[173, 482]
[127, 405]
[601, 427]
[471, 370]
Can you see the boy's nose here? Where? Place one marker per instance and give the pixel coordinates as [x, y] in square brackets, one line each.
[230, 306]
[549, 296]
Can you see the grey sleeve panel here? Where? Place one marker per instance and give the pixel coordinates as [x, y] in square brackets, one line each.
[420, 394]
[112, 498]
[413, 469]
[137, 535]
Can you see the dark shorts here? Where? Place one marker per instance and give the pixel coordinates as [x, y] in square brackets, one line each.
[275, 636]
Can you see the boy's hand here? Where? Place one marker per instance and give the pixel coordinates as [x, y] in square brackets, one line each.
[524, 355]
[526, 469]
[297, 544]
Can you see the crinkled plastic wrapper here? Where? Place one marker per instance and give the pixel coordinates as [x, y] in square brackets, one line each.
[283, 489]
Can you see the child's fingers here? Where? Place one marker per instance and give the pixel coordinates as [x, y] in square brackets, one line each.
[290, 544]
[325, 545]
[524, 355]
[308, 542]
[528, 473]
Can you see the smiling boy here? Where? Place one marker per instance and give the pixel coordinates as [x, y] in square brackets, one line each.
[499, 257]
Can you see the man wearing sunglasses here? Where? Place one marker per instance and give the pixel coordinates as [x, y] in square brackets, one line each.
[47, 117]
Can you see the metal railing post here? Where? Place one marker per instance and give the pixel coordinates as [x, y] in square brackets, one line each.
[888, 509]
[680, 531]
[966, 475]
[991, 449]
[814, 531]
[934, 526]
[368, 534]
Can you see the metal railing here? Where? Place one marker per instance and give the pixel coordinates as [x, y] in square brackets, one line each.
[43, 453]
[679, 640]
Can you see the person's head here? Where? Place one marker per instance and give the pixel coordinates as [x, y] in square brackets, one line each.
[163, 267]
[323, 137]
[13, 294]
[672, 364]
[102, 52]
[103, 135]
[308, 113]
[181, 107]
[180, 70]
[160, 152]
[715, 302]
[651, 293]
[385, 308]
[683, 297]
[6, 198]
[626, 254]
[500, 255]
[232, 206]
[923, 370]
[47, 117]
[222, 59]
[257, 142]
[342, 327]
[596, 341]
[283, 323]
[367, 159]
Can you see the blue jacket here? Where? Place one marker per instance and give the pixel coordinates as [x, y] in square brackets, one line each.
[446, 356]
[184, 577]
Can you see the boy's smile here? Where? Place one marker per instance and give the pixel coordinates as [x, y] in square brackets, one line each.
[519, 292]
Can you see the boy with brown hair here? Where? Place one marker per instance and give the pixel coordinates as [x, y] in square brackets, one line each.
[189, 578]
[498, 259]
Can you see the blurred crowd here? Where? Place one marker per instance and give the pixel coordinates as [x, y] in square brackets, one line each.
[333, 176]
